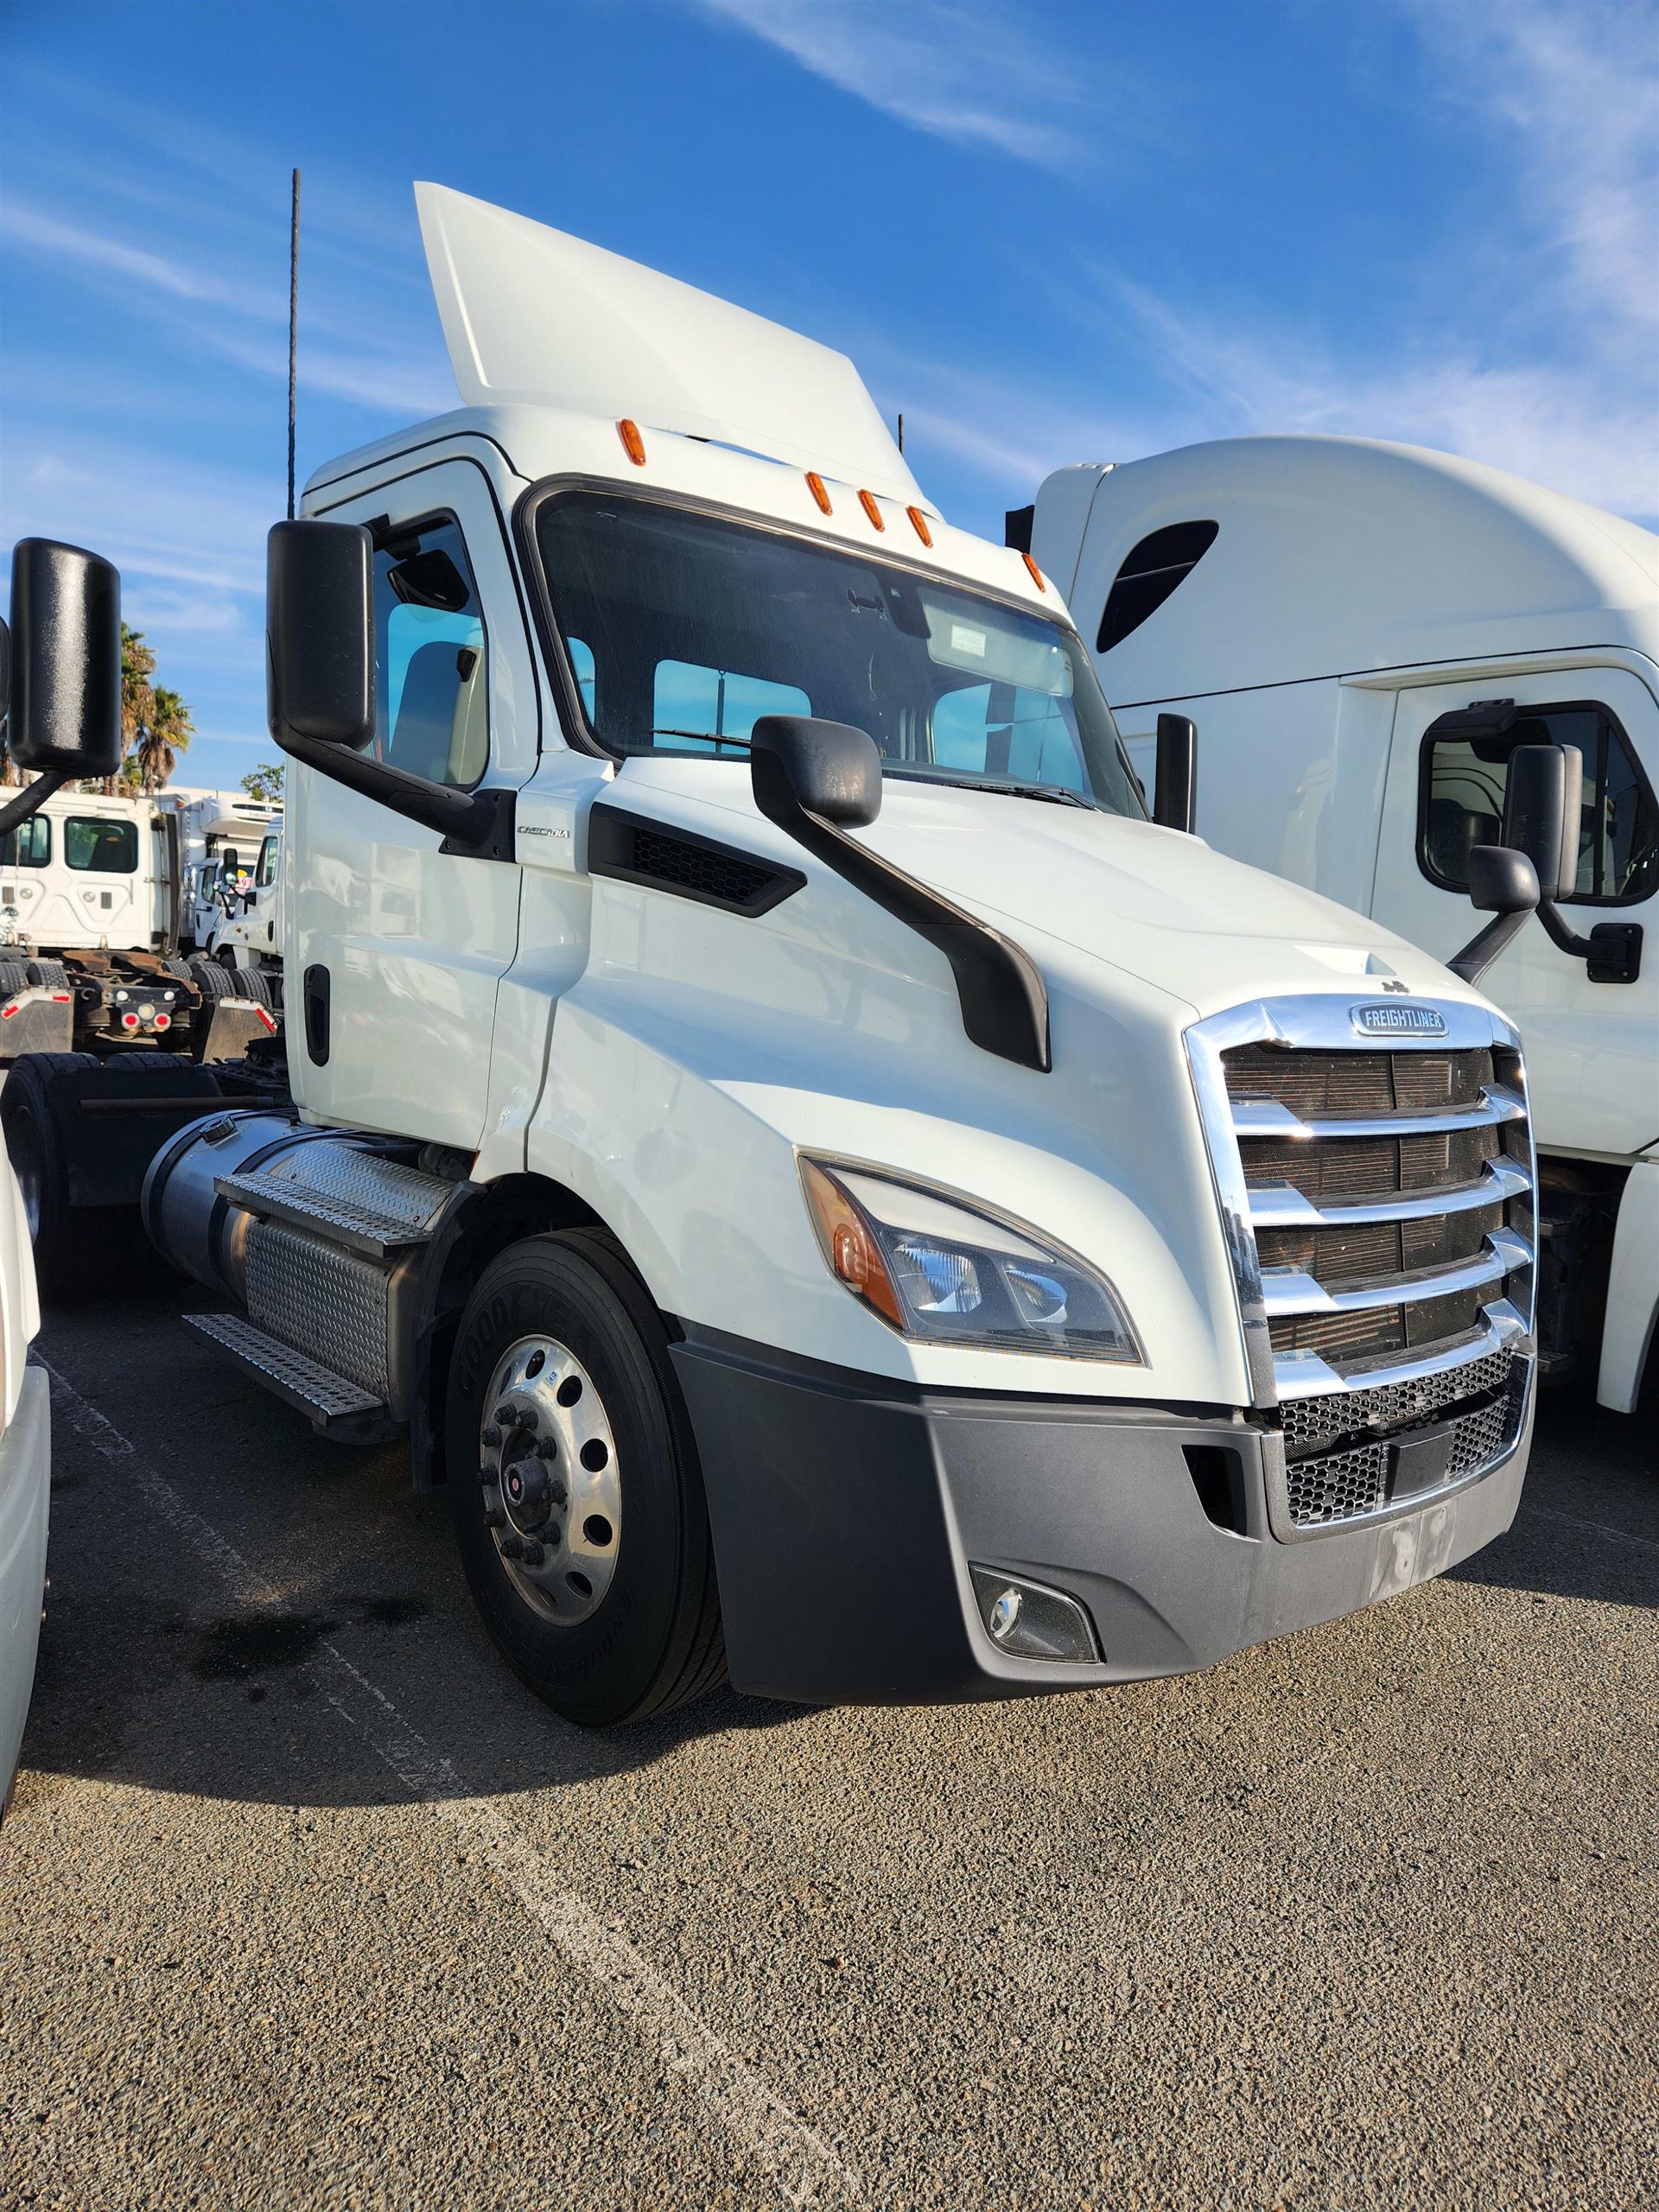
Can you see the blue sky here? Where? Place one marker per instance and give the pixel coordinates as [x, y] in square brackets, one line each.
[1048, 232]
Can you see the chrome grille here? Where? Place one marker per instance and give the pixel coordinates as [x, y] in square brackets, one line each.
[1378, 1204]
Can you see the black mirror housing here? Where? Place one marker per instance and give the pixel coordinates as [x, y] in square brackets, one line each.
[1502, 880]
[1175, 791]
[319, 633]
[798, 763]
[1542, 797]
[65, 690]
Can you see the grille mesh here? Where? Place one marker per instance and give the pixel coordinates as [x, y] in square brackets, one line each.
[1339, 1485]
[720, 876]
[1370, 1167]
[1312, 1423]
[1367, 1250]
[1378, 1331]
[1320, 1083]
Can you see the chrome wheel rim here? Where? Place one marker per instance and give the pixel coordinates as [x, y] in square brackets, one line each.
[552, 1490]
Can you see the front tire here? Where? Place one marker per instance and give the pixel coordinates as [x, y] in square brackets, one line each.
[573, 1486]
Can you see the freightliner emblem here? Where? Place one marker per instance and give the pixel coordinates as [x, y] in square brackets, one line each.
[1397, 1018]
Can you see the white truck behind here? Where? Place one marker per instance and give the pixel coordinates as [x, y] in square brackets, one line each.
[1368, 634]
[834, 1193]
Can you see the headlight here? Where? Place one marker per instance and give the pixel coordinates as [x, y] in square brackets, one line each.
[933, 1265]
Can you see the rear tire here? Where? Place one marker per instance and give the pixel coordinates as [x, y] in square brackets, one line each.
[650, 1638]
[211, 980]
[80, 1252]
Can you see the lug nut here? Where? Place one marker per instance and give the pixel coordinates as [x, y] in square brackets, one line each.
[528, 1418]
[534, 1554]
[492, 1437]
[512, 1547]
[493, 1519]
[548, 1448]
[485, 1478]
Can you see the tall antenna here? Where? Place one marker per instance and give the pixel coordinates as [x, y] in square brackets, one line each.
[901, 434]
[293, 329]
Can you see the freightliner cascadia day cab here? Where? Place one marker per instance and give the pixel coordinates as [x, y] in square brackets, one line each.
[1370, 633]
[833, 1191]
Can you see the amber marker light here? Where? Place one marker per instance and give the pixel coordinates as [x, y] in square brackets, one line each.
[632, 444]
[919, 523]
[1036, 573]
[815, 486]
[851, 1250]
[867, 503]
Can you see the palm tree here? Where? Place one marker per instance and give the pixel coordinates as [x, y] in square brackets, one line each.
[169, 733]
[137, 697]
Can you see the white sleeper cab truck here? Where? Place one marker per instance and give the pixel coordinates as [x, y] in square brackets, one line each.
[1376, 641]
[61, 717]
[223, 845]
[835, 1193]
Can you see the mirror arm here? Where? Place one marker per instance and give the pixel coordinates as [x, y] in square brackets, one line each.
[477, 823]
[31, 798]
[1482, 949]
[1004, 1003]
[1560, 931]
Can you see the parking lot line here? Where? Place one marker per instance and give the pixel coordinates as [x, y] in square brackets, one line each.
[803, 2165]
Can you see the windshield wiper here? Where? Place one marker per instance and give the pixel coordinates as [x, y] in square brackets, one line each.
[1056, 794]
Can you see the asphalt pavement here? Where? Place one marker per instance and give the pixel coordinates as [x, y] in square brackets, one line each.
[305, 1902]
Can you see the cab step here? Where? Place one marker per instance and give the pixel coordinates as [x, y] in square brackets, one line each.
[363, 1229]
[336, 1407]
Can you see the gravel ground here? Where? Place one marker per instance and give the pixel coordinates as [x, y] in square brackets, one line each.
[308, 1903]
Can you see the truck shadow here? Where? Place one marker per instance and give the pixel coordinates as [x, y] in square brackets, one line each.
[1588, 1525]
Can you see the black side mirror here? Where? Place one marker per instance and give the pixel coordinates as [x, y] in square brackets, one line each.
[65, 688]
[1175, 793]
[1503, 883]
[319, 633]
[811, 778]
[828, 769]
[1542, 798]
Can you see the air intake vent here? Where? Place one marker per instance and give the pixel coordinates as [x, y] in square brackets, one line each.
[634, 850]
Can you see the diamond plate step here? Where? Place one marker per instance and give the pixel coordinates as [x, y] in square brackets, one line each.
[359, 1227]
[335, 1406]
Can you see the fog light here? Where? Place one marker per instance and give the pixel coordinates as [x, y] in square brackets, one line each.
[1032, 1623]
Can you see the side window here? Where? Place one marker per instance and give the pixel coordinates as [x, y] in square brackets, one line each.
[267, 863]
[98, 846]
[1150, 572]
[1005, 730]
[432, 694]
[30, 845]
[692, 708]
[1460, 801]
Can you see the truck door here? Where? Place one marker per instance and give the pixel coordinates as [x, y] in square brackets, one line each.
[1589, 1045]
[397, 947]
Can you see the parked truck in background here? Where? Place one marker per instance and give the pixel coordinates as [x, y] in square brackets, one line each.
[833, 1191]
[113, 906]
[1367, 632]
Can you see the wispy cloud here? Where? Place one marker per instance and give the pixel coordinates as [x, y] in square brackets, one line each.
[958, 69]
[1530, 343]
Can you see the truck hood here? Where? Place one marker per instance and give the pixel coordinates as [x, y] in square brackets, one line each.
[1155, 903]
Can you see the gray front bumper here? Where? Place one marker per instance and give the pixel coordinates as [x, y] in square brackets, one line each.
[845, 1513]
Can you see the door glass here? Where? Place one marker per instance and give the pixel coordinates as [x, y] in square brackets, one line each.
[1462, 802]
[267, 863]
[100, 847]
[30, 845]
[431, 698]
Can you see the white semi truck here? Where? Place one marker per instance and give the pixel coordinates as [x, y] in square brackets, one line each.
[833, 1191]
[112, 907]
[1367, 633]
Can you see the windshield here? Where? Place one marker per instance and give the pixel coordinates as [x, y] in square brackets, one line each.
[683, 628]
